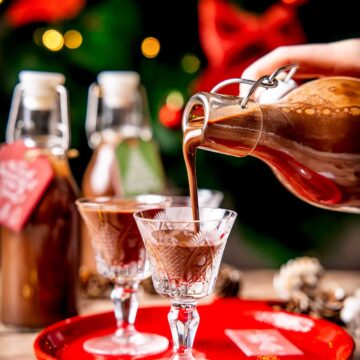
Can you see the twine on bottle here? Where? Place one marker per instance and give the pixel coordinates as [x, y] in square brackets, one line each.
[32, 154]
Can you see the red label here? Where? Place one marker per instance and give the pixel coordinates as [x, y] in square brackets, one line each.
[23, 181]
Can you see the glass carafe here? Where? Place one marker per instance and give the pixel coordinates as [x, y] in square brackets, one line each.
[40, 262]
[309, 137]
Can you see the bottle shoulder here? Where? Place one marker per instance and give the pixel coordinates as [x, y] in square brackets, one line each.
[63, 173]
[97, 176]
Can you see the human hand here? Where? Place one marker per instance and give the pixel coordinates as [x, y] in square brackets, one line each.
[314, 60]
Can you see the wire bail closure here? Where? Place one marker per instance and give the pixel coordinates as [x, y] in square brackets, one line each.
[267, 81]
[62, 126]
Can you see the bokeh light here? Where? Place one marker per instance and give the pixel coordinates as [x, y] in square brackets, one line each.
[37, 36]
[53, 40]
[293, 2]
[175, 100]
[190, 63]
[170, 117]
[150, 47]
[73, 39]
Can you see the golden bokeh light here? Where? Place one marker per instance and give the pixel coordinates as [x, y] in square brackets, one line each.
[175, 100]
[73, 39]
[190, 63]
[53, 40]
[150, 47]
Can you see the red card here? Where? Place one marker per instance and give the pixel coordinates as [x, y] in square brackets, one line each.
[22, 183]
[262, 342]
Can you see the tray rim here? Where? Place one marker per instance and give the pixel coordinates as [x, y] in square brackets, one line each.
[41, 355]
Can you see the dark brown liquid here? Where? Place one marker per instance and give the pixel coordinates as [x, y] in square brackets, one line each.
[182, 258]
[114, 234]
[98, 180]
[310, 140]
[192, 139]
[40, 263]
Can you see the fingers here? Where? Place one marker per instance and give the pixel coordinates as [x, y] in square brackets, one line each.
[312, 59]
[267, 64]
[345, 57]
[341, 58]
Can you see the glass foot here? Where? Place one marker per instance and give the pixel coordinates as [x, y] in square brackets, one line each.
[193, 355]
[182, 357]
[136, 344]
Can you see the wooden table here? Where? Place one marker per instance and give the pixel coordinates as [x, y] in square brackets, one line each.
[256, 285]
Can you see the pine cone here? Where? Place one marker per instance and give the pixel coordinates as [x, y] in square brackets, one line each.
[228, 283]
[148, 286]
[94, 285]
[328, 302]
[350, 314]
[298, 275]
[299, 303]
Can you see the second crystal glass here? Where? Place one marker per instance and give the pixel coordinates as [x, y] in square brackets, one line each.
[185, 256]
[120, 256]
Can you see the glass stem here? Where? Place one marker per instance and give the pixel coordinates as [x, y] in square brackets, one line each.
[184, 320]
[126, 304]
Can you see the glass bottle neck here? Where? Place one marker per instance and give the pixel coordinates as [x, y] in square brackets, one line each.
[43, 125]
[118, 124]
[218, 123]
[124, 121]
[116, 118]
[39, 128]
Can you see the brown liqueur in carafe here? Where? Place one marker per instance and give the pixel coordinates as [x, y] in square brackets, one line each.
[310, 139]
[40, 262]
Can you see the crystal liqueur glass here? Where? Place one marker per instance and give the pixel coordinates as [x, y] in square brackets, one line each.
[185, 256]
[120, 256]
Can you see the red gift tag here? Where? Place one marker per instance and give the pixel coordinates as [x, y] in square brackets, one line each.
[22, 183]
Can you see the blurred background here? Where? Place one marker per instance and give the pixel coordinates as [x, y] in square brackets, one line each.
[178, 48]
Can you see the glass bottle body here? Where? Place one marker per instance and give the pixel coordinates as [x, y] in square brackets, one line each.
[40, 262]
[309, 139]
[99, 175]
[98, 180]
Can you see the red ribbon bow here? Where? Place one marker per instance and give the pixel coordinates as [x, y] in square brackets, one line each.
[22, 12]
[232, 38]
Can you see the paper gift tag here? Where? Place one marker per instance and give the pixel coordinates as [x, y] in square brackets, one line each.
[140, 168]
[263, 342]
[22, 183]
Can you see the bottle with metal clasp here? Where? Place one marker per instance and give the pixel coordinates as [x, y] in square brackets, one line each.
[40, 261]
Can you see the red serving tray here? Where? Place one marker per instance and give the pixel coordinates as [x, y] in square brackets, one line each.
[322, 341]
